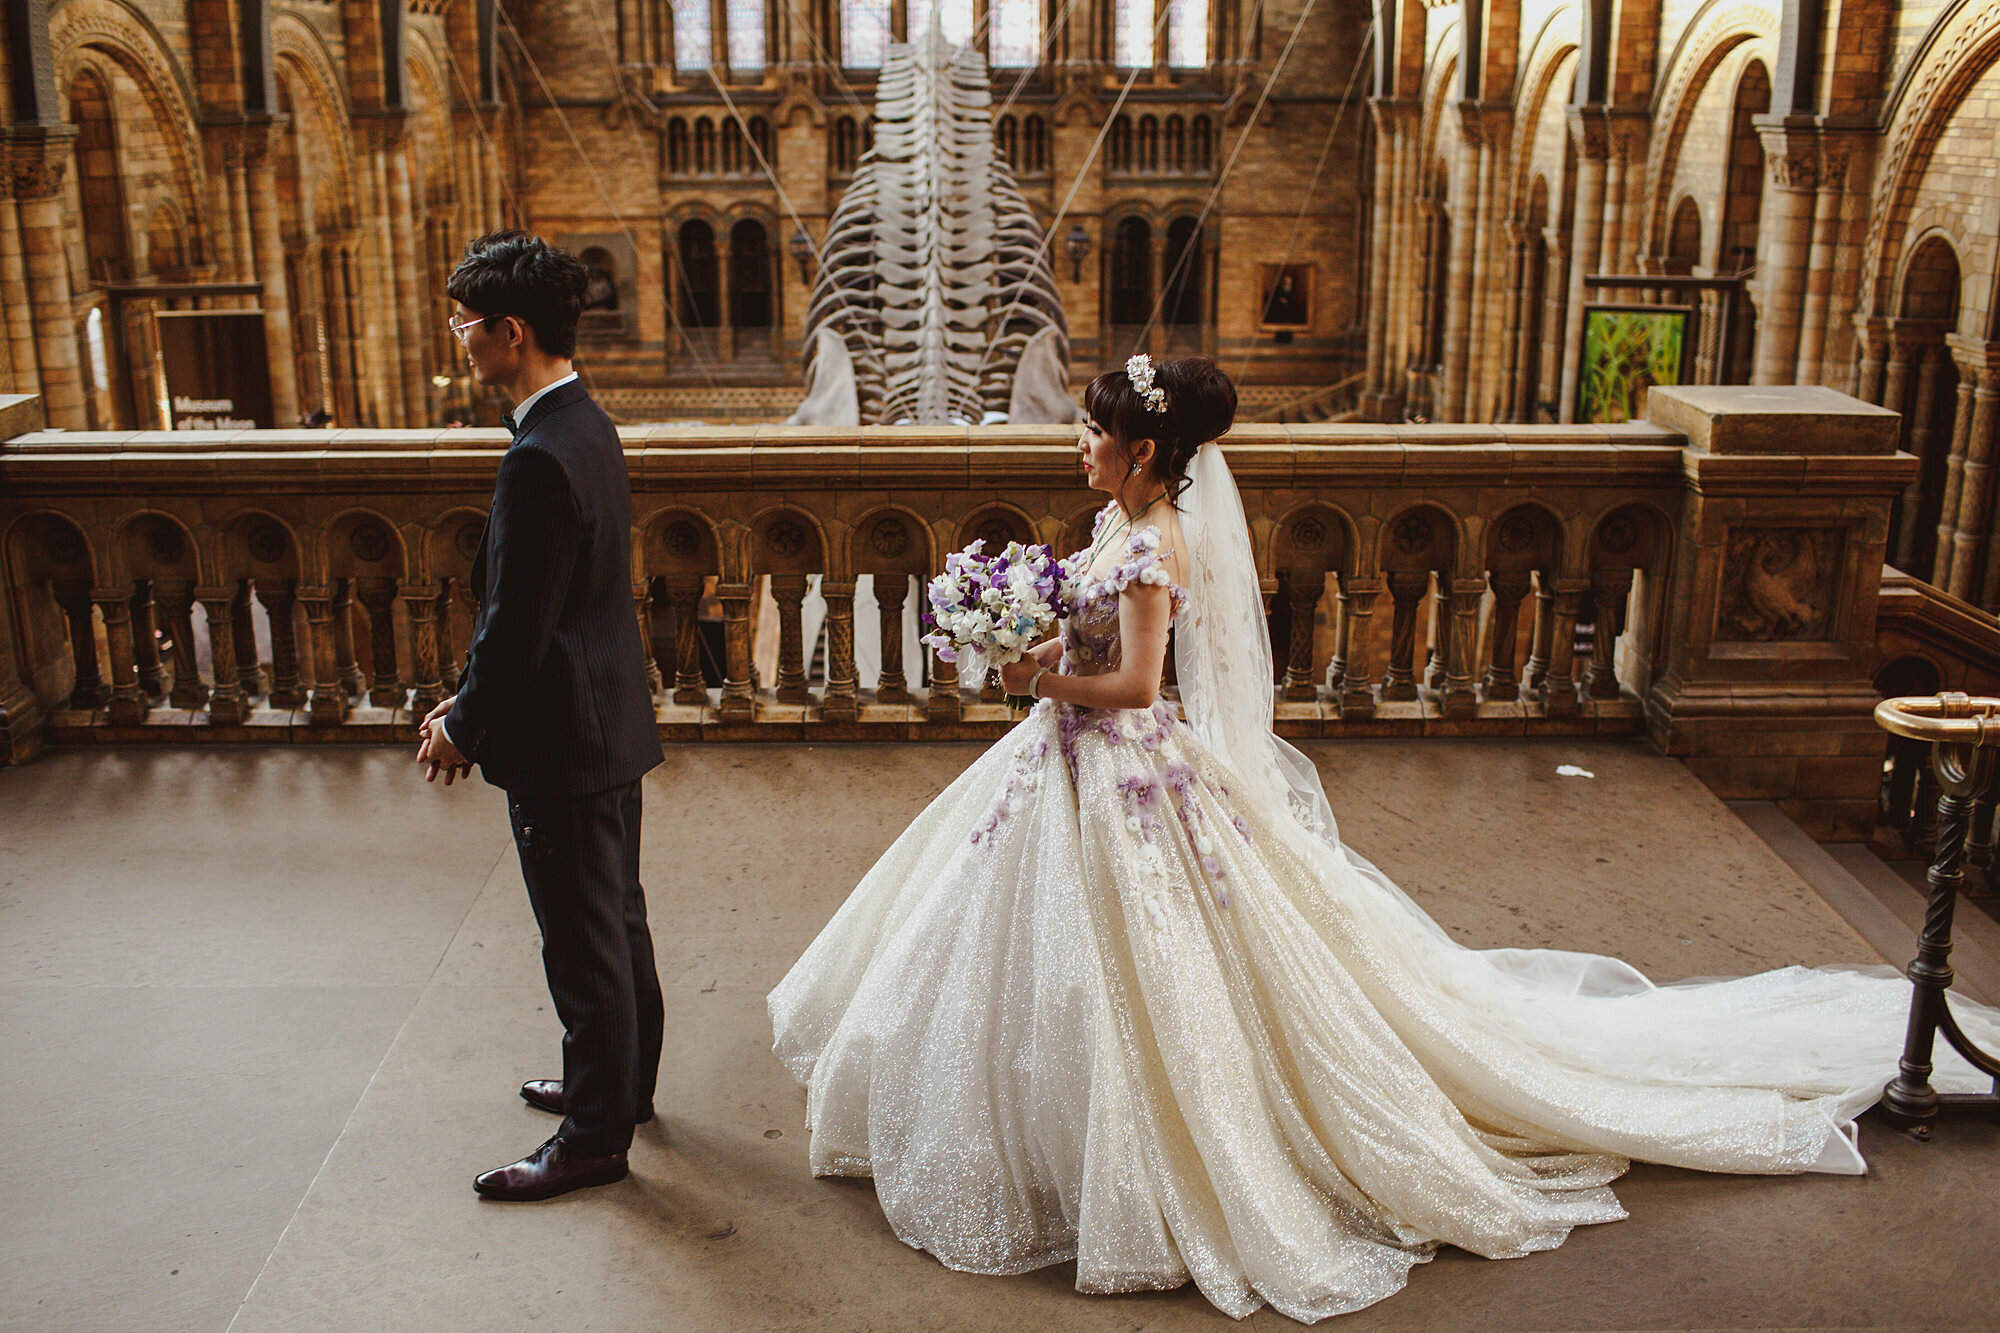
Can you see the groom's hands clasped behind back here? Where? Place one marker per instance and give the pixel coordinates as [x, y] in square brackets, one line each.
[436, 752]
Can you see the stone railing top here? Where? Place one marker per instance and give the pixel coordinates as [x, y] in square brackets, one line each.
[1772, 419]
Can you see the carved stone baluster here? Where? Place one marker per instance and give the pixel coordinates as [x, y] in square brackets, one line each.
[642, 607]
[1406, 590]
[842, 703]
[1559, 684]
[1357, 699]
[1535, 673]
[346, 664]
[329, 693]
[1461, 639]
[892, 591]
[945, 704]
[249, 670]
[378, 598]
[287, 691]
[128, 702]
[1439, 647]
[1335, 679]
[1611, 589]
[684, 594]
[175, 598]
[450, 660]
[226, 704]
[420, 609]
[739, 701]
[1305, 594]
[1499, 683]
[73, 596]
[146, 640]
[789, 592]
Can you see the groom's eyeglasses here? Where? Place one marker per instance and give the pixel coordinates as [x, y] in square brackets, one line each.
[459, 331]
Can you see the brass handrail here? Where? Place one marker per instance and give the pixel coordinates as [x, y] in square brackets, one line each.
[1951, 717]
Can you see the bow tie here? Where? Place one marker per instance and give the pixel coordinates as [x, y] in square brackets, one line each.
[513, 427]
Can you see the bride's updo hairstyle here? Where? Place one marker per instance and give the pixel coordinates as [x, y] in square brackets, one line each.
[1201, 405]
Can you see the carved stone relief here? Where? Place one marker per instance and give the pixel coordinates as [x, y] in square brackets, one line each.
[1779, 584]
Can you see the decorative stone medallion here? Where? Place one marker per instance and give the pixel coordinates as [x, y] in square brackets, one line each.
[1779, 585]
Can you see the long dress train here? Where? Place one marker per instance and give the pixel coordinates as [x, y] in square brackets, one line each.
[1099, 1002]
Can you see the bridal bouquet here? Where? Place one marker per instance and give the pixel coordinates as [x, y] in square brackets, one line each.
[989, 610]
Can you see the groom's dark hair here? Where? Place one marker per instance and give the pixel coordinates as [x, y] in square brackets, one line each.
[513, 273]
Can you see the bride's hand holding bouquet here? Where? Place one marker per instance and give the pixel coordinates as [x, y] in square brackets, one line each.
[989, 611]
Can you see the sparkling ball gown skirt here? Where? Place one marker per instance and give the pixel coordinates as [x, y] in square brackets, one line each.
[1096, 1003]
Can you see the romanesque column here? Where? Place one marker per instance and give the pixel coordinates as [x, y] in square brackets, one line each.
[684, 595]
[1922, 443]
[1974, 511]
[739, 699]
[1873, 335]
[842, 702]
[16, 309]
[1954, 472]
[1509, 591]
[261, 183]
[789, 592]
[1588, 128]
[408, 287]
[1814, 314]
[176, 603]
[1387, 141]
[340, 394]
[38, 166]
[1357, 698]
[1300, 686]
[329, 695]
[1460, 267]
[128, 703]
[226, 704]
[88, 690]
[420, 607]
[378, 598]
[146, 640]
[892, 591]
[1785, 231]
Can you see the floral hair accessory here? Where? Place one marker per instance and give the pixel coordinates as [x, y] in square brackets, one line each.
[1139, 369]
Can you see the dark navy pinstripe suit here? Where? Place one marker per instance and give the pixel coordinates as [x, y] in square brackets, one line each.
[554, 707]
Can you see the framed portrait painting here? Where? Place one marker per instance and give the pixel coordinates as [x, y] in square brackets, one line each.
[1285, 297]
[1626, 350]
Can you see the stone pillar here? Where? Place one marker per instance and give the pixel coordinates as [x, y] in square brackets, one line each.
[1923, 442]
[1558, 680]
[1461, 268]
[1968, 499]
[226, 704]
[16, 306]
[1814, 312]
[1406, 593]
[1785, 235]
[1610, 590]
[1586, 239]
[346, 664]
[248, 669]
[842, 702]
[89, 690]
[684, 594]
[38, 165]
[128, 703]
[944, 704]
[892, 591]
[175, 598]
[1499, 682]
[329, 695]
[1541, 637]
[420, 609]
[789, 592]
[1357, 697]
[408, 289]
[1306, 590]
[1522, 244]
[1873, 335]
[1461, 636]
[739, 702]
[261, 182]
[1769, 635]
[642, 607]
[278, 598]
[146, 640]
[377, 597]
[1390, 118]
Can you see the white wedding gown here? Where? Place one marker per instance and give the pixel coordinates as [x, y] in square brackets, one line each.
[1099, 1003]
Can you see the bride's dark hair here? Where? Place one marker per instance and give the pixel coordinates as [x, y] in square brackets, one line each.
[1201, 405]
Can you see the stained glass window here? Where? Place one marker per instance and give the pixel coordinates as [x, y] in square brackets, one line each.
[954, 15]
[1187, 34]
[692, 44]
[1015, 40]
[864, 33]
[746, 34]
[1132, 34]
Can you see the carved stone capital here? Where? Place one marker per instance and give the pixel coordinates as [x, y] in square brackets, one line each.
[36, 163]
[1794, 171]
[1588, 127]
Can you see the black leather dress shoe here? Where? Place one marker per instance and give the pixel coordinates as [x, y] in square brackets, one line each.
[552, 1169]
[546, 1094]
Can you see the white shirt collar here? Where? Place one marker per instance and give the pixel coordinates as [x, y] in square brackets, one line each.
[521, 408]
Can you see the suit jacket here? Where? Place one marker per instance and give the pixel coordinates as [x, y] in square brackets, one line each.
[554, 700]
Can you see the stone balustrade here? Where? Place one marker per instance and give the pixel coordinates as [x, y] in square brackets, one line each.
[1709, 578]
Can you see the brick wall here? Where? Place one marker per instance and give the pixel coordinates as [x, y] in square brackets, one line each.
[1960, 197]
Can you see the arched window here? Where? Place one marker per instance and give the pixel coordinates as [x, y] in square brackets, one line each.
[1132, 272]
[1149, 144]
[955, 17]
[864, 33]
[694, 46]
[1201, 146]
[1684, 238]
[1015, 39]
[845, 147]
[1187, 34]
[704, 147]
[677, 147]
[1132, 34]
[746, 35]
[749, 276]
[699, 307]
[1183, 284]
[1121, 143]
[1035, 145]
[1007, 139]
[1176, 144]
[732, 149]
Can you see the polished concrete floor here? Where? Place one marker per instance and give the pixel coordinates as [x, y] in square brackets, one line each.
[266, 1010]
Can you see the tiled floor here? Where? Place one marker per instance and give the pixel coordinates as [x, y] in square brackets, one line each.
[266, 1010]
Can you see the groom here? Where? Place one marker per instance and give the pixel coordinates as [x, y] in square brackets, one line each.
[554, 707]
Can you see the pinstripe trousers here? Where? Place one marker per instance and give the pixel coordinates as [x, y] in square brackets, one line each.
[580, 859]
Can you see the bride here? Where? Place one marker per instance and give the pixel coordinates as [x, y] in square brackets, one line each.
[1120, 995]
